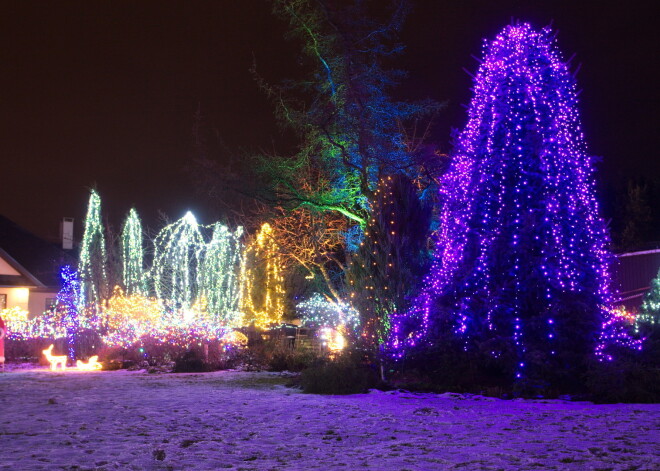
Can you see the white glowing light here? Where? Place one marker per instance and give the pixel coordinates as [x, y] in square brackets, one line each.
[54, 360]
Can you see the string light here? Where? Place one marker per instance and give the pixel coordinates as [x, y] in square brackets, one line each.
[197, 287]
[93, 258]
[320, 311]
[262, 282]
[132, 255]
[219, 277]
[91, 365]
[650, 310]
[69, 306]
[54, 360]
[176, 260]
[520, 224]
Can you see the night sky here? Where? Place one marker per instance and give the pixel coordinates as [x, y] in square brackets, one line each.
[103, 94]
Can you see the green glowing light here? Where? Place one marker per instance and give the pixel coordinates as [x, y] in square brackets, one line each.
[132, 255]
[93, 257]
[219, 275]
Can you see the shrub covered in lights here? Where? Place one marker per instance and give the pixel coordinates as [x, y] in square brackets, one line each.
[521, 262]
[320, 311]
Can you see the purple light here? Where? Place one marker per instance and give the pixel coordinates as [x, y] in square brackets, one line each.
[68, 298]
[520, 225]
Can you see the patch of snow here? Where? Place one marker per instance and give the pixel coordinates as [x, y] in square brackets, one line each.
[132, 420]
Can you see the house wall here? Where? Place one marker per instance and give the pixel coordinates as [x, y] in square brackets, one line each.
[33, 302]
[17, 297]
[6, 269]
[37, 304]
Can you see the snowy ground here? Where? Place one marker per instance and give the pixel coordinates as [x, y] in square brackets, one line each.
[134, 420]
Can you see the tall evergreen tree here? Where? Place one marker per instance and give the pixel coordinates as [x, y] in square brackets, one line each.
[93, 258]
[522, 260]
[219, 274]
[390, 260]
[132, 255]
[176, 263]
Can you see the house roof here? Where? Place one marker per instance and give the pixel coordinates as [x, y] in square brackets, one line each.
[37, 260]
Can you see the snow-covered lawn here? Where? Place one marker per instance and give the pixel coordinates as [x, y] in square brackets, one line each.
[134, 420]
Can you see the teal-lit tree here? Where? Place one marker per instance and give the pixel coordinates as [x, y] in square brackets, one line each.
[219, 275]
[649, 315]
[176, 261]
[132, 255]
[349, 125]
[93, 260]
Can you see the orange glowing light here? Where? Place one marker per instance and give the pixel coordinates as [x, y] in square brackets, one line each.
[91, 365]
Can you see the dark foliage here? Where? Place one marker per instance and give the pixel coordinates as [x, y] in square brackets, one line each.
[293, 360]
[338, 377]
[633, 377]
[30, 350]
[191, 362]
[389, 264]
[447, 366]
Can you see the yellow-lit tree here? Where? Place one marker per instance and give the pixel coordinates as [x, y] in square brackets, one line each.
[262, 281]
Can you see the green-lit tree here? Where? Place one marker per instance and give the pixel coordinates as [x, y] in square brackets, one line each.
[219, 274]
[176, 263]
[349, 127]
[93, 259]
[350, 132]
[649, 315]
[132, 255]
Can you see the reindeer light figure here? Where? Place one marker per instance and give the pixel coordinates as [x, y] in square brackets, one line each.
[54, 359]
[91, 365]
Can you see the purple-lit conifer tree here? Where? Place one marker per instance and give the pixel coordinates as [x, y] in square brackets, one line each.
[521, 252]
[67, 301]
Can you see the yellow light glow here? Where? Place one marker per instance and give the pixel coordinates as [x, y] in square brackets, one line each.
[621, 313]
[91, 365]
[332, 339]
[235, 338]
[133, 315]
[14, 316]
[54, 360]
[262, 282]
[22, 295]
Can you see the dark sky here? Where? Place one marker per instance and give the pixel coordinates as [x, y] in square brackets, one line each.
[102, 94]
